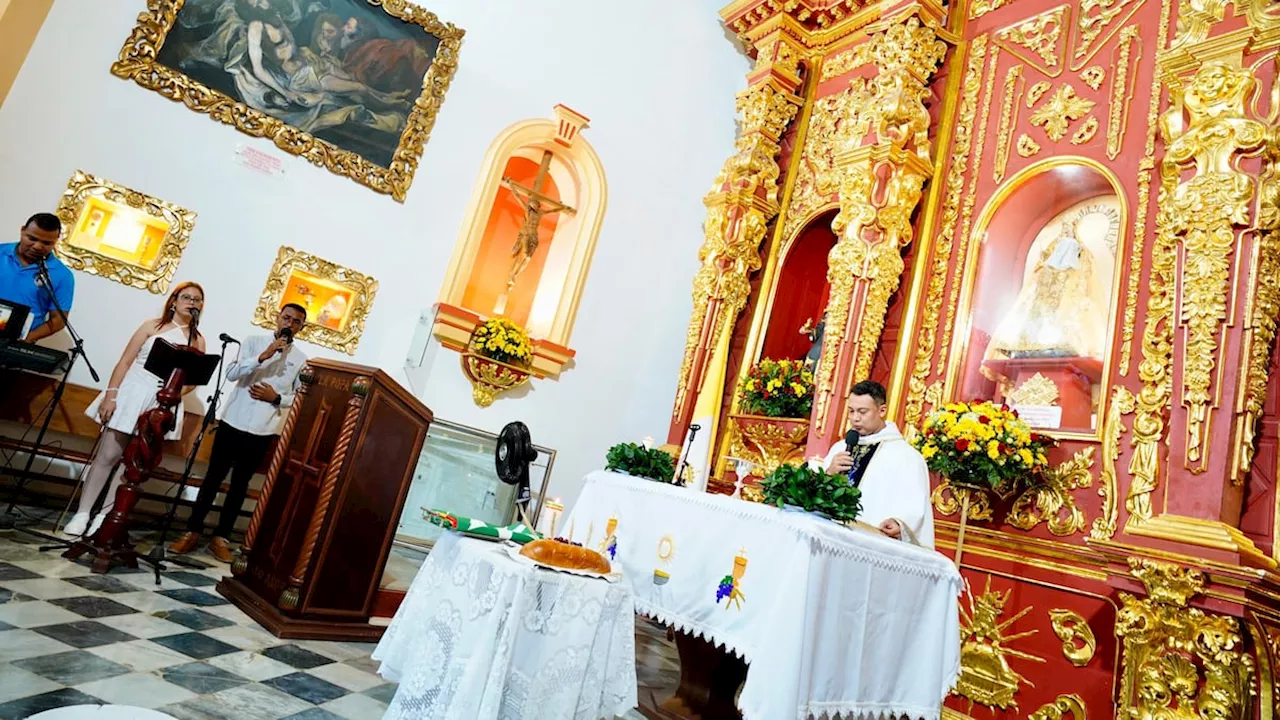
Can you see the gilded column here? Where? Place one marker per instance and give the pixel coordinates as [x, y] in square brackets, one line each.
[1214, 301]
[742, 201]
[882, 171]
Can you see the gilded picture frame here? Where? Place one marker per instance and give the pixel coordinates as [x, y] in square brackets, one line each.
[337, 299]
[164, 229]
[336, 102]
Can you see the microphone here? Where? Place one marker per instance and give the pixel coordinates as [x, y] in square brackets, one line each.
[286, 334]
[227, 339]
[851, 439]
[195, 317]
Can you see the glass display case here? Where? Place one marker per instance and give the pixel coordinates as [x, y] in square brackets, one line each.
[456, 473]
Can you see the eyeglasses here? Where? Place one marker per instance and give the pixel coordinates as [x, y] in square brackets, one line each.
[191, 298]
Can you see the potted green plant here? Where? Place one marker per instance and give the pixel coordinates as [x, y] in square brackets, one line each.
[641, 461]
[812, 490]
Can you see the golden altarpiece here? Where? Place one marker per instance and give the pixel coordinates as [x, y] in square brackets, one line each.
[1070, 207]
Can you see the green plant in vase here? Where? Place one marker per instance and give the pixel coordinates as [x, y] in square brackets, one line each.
[813, 490]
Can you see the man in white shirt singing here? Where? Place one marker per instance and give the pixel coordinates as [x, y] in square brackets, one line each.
[892, 475]
[265, 374]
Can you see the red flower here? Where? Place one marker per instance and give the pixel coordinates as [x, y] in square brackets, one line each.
[1004, 448]
[1015, 413]
[984, 419]
[962, 444]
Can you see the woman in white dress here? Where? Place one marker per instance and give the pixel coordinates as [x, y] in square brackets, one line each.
[131, 392]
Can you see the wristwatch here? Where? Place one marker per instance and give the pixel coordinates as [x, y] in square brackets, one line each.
[276, 402]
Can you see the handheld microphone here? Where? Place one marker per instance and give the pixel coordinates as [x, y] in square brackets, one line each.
[851, 439]
[227, 339]
[286, 334]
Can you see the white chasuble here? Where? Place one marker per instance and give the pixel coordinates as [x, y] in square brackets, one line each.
[895, 485]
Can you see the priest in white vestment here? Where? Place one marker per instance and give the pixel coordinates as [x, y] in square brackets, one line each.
[891, 474]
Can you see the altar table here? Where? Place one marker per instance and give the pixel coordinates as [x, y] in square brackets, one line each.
[482, 635]
[829, 619]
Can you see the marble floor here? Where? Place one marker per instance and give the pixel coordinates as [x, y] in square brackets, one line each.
[69, 637]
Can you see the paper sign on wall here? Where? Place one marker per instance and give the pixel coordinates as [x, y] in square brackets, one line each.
[259, 161]
[1040, 416]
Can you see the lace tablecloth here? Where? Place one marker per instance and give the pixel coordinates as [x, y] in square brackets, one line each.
[481, 636]
[831, 620]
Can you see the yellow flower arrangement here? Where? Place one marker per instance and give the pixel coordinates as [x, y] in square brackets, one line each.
[777, 388]
[502, 340]
[982, 444]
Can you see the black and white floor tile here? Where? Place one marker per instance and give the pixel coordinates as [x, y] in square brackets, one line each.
[69, 637]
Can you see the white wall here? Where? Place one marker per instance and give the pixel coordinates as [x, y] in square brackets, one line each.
[656, 78]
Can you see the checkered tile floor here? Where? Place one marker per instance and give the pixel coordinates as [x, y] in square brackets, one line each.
[69, 637]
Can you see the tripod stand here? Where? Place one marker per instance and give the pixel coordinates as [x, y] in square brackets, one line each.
[7, 520]
[157, 557]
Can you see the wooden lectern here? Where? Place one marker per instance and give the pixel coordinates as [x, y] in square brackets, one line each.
[326, 516]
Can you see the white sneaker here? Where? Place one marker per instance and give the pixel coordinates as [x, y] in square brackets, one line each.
[77, 524]
[97, 521]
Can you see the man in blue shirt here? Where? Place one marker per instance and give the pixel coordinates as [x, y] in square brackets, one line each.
[20, 279]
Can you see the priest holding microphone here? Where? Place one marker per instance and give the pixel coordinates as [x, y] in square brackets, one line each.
[892, 475]
[265, 376]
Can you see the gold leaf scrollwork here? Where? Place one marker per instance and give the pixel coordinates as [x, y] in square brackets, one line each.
[1123, 403]
[847, 61]
[1086, 131]
[926, 342]
[985, 674]
[137, 61]
[982, 7]
[1065, 706]
[833, 121]
[1026, 146]
[1093, 76]
[1056, 114]
[1050, 499]
[1078, 642]
[363, 288]
[1042, 35]
[1121, 90]
[1036, 92]
[1179, 662]
[1009, 106]
[1203, 213]
[1094, 18]
[948, 500]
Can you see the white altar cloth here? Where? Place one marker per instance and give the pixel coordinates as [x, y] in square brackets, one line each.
[831, 620]
[481, 636]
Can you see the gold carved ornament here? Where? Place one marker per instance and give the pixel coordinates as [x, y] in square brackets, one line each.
[1262, 311]
[742, 201]
[986, 677]
[1203, 214]
[982, 7]
[362, 288]
[1009, 106]
[1049, 499]
[1178, 662]
[833, 121]
[1086, 131]
[1036, 390]
[1056, 114]
[1078, 642]
[949, 499]
[490, 378]
[926, 337]
[1093, 76]
[1122, 403]
[180, 221]
[871, 239]
[1037, 91]
[770, 442]
[1065, 706]
[1122, 89]
[1096, 22]
[1026, 146]
[137, 62]
[1042, 35]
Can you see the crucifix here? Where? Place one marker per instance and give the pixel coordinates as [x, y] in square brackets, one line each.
[536, 206]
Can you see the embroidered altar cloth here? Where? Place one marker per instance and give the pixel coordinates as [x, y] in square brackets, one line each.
[481, 635]
[831, 619]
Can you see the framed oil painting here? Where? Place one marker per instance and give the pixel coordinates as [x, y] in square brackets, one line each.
[353, 85]
[122, 234]
[337, 299]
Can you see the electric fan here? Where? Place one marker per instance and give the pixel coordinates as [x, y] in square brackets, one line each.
[511, 458]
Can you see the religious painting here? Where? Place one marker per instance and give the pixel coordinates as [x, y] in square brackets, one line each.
[337, 299]
[121, 234]
[1041, 303]
[354, 85]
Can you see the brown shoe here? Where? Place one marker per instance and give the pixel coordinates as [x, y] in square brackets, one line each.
[185, 544]
[221, 549]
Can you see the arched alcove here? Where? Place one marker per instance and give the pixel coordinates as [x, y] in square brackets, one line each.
[486, 278]
[799, 294]
[1038, 304]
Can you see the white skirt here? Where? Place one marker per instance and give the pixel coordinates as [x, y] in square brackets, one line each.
[137, 394]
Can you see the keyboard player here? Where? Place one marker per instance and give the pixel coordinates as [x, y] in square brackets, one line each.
[20, 277]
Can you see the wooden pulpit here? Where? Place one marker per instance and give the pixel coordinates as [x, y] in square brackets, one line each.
[327, 513]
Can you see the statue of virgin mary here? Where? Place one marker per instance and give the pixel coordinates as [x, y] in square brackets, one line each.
[1054, 314]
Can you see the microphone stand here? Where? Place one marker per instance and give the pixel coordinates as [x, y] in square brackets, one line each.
[157, 555]
[77, 351]
[693, 433]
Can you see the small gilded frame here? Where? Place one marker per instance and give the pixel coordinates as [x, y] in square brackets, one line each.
[353, 85]
[337, 299]
[122, 234]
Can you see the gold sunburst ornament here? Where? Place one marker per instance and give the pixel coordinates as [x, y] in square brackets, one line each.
[986, 677]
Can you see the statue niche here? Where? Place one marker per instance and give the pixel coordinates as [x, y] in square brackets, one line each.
[799, 296]
[527, 241]
[1041, 305]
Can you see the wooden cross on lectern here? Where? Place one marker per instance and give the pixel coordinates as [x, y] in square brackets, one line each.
[536, 206]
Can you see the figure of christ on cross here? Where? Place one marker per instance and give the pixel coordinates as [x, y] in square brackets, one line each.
[536, 206]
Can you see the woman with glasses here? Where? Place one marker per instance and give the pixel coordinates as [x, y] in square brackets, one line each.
[131, 392]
